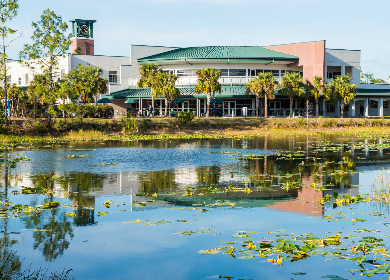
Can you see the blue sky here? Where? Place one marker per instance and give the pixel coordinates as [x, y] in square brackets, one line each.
[344, 24]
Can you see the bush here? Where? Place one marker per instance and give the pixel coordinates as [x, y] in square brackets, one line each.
[40, 126]
[184, 117]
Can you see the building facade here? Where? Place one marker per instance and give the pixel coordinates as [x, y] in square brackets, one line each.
[238, 65]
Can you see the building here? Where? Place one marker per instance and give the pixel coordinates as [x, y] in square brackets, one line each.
[238, 64]
[83, 39]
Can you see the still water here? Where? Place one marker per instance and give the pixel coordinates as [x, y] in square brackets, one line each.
[197, 209]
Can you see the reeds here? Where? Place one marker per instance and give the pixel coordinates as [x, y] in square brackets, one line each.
[381, 187]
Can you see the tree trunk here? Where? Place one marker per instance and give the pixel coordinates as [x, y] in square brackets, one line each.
[257, 106]
[291, 106]
[261, 107]
[166, 107]
[50, 88]
[317, 113]
[307, 114]
[265, 107]
[208, 105]
[151, 93]
[342, 108]
[5, 81]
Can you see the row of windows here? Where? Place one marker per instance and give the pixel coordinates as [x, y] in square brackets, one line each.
[233, 72]
[374, 104]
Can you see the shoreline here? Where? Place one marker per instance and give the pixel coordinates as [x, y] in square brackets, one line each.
[113, 129]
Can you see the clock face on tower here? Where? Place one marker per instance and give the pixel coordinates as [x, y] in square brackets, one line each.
[84, 29]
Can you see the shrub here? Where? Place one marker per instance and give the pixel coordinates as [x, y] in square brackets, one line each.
[130, 125]
[301, 122]
[184, 117]
[60, 125]
[40, 127]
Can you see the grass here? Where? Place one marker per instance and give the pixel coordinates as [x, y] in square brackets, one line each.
[75, 129]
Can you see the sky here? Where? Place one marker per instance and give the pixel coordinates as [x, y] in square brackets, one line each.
[344, 24]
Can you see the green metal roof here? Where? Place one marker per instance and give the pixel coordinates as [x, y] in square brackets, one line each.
[373, 92]
[219, 53]
[228, 91]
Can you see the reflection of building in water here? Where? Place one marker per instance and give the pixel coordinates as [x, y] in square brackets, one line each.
[307, 196]
[186, 176]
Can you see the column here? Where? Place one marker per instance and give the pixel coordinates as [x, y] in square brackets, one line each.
[326, 73]
[366, 107]
[380, 107]
[324, 107]
[352, 109]
[343, 69]
[337, 113]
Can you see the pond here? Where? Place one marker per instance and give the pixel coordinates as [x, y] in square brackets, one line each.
[267, 207]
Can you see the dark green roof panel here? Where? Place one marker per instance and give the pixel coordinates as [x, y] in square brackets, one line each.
[373, 92]
[219, 53]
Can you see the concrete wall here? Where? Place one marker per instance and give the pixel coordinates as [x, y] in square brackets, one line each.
[139, 51]
[311, 56]
[17, 70]
[346, 59]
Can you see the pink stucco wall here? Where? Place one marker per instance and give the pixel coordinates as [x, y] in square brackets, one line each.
[311, 56]
[80, 42]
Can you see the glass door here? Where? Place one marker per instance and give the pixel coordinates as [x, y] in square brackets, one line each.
[228, 107]
[275, 108]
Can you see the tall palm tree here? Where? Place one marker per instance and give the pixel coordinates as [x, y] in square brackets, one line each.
[208, 83]
[341, 88]
[264, 85]
[319, 86]
[291, 86]
[165, 86]
[307, 93]
[148, 72]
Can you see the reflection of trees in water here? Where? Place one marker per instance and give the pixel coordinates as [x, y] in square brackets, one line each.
[10, 261]
[208, 175]
[157, 181]
[53, 232]
[52, 229]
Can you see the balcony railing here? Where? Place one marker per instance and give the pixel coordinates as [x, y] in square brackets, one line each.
[222, 80]
[193, 80]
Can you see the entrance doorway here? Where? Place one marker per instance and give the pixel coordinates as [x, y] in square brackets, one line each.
[275, 107]
[228, 107]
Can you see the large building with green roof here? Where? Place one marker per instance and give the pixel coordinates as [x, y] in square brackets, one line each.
[238, 65]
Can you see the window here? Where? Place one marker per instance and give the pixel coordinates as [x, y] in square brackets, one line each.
[301, 73]
[330, 107]
[8, 79]
[224, 72]
[282, 72]
[335, 74]
[267, 71]
[374, 104]
[164, 71]
[19, 81]
[254, 72]
[330, 75]
[275, 73]
[237, 72]
[112, 77]
[62, 73]
[258, 71]
[26, 79]
[186, 73]
[385, 104]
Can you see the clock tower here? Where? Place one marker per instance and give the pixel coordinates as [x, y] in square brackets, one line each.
[82, 37]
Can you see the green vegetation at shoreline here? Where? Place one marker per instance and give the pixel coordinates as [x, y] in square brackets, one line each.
[90, 128]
